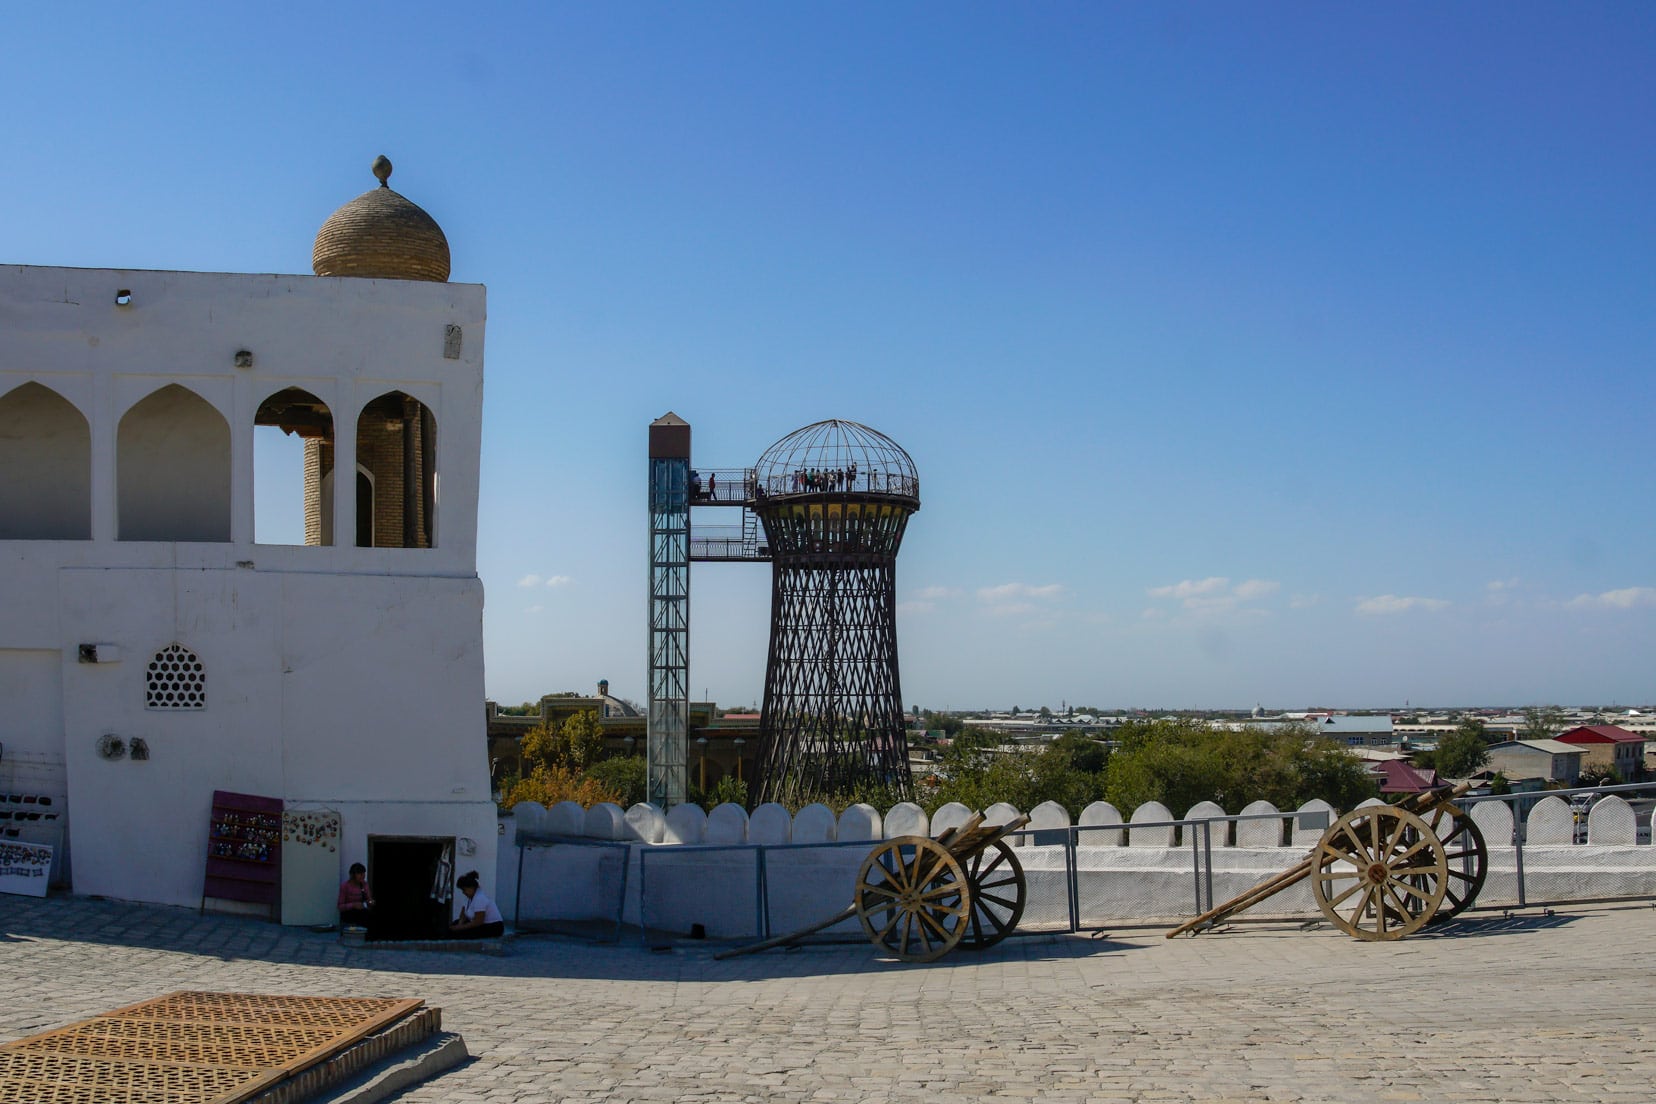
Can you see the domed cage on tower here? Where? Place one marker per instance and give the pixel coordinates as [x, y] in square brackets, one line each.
[834, 499]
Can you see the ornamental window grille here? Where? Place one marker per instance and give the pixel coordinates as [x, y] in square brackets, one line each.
[176, 680]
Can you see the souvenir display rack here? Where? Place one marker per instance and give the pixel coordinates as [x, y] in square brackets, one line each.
[244, 850]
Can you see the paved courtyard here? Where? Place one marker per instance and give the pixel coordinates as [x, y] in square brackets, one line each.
[1522, 1008]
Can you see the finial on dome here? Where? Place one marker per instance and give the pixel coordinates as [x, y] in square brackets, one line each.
[381, 235]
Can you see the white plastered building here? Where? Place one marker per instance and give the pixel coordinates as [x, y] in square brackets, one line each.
[345, 673]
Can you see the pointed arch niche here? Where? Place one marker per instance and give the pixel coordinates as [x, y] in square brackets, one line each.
[293, 460]
[172, 469]
[397, 450]
[46, 455]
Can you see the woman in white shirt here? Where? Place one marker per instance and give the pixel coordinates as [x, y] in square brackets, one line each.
[479, 916]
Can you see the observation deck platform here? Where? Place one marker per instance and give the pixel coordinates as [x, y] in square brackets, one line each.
[739, 488]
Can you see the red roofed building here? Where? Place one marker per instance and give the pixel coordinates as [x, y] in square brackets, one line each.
[1398, 777]
[1608, 746]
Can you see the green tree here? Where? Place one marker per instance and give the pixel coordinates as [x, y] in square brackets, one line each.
[623, 774]
[946, 723]
[1460, 755]
[729, 790]
[1464, 751]
[1182, 762]
[1541, 722]
[575, 745]
[1599, 774]
[1085, 753]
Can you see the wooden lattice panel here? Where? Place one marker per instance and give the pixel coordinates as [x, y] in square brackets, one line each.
[188, 1048]
[325, 1012]
[220, 1044]
[35, 1077]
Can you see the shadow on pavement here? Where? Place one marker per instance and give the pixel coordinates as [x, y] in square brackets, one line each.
[185, 931]
[1508, 924]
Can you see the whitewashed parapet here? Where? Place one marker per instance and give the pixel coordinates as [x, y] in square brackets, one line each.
[1151, 812]
[770, 824]
[860, 822]
[1001, 813]
[685, 824]
[1210, 810]
[645, 823]
[529, 817]
[1101, 816]
[812, 824]
[1304, 836]
[1045, 817]
[727, 823]
[1550, 824]
[1611, 821]
[1259, 833]
[1494, 820]
[566, 818]
[950, 815]
[606, 820]
[906, 819]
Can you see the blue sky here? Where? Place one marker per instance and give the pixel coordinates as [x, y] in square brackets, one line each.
[1289, 353]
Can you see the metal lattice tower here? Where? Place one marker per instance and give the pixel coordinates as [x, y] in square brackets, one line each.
[669, 710]
[834, 499]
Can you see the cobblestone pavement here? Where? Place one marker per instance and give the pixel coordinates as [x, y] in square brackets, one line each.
[1529, 1007]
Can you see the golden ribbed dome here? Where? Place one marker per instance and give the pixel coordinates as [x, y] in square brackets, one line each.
[381, 235]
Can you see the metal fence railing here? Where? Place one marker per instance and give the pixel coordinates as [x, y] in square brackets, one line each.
[1079, 877]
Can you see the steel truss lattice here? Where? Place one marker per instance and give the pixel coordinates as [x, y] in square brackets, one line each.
[669, 629]
[832, 721]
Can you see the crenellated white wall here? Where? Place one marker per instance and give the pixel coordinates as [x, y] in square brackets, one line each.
[703, 869]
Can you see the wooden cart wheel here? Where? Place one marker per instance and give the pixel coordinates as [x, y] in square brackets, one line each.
[912, 898]
[998, 890]
[1467, 857]
[1381, 873]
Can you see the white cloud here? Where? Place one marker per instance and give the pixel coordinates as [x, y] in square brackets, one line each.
[1304, 601]
[1190, 588]
[529, 580]
[1498, 592]
[536, 609]
[1214, 592]
[1392, 603]
[1011, 609]
[558, 581]
[926, 599]
[1008, 592]
[1626, 598]
[935, 593]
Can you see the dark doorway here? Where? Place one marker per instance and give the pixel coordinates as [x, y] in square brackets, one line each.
[402, 871]
[364, 511]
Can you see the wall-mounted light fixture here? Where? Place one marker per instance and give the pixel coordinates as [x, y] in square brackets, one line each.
[123, 297]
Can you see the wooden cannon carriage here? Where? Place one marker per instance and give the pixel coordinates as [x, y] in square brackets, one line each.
[1382, 871]
[920, 897]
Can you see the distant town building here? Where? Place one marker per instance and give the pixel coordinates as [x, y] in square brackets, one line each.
[1608, 746]
[1547, 760]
